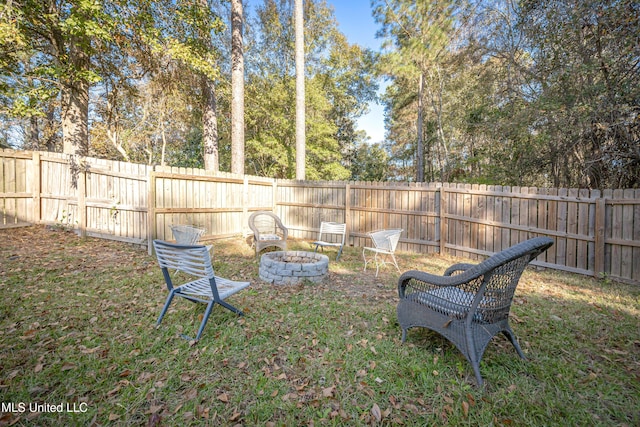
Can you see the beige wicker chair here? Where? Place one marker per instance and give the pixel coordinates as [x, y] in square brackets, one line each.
[268, 231]
[470, 304]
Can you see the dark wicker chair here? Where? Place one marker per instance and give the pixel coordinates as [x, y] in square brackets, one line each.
[470, 303]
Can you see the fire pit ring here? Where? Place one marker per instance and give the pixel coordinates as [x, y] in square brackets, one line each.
[292, 267]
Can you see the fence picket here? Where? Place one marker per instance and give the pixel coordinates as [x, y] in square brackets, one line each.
[594, 232]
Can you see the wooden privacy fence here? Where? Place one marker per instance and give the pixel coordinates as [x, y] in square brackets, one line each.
[596, 233]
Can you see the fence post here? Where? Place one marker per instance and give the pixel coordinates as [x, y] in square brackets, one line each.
[347, 210]
[82, 197]
[151, 211]
[245, 203]
[274, 198]
[599, 237]
[37, 188]
[443, 212]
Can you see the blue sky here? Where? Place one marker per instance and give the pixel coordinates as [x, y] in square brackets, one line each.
[356, 23]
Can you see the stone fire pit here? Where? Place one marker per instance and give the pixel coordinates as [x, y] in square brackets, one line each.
[291, 267]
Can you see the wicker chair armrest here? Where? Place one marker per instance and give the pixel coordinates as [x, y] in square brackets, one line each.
[427, 278]
[457, 268]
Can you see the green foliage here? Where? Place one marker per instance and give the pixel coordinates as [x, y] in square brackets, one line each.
[370, 163]
[339, 84]
[530, 93]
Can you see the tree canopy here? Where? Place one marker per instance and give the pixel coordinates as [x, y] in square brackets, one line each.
[148, 73]
[522, 92]
[510, 92]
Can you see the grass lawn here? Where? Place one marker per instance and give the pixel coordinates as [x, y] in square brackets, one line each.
[77, 332]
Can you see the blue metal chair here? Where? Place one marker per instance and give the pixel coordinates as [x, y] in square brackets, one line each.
[206, 287]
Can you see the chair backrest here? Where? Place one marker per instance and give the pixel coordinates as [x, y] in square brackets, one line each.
[386, 239]
[186, 234]
[264, 222]
[191, 259]
[333, 228]
[501, 275]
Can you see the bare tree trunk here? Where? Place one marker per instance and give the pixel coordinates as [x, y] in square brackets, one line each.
[164, 141]
[209, 126]
[75, 106]
[51, 123]
[34, 134]
[300, 104]
[209, 114]
[420, 147]
[237, 88]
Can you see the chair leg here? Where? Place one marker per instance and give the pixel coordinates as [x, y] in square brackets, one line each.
[476, 370]
[375, 257]
[365, 259]
[509, 334]
[472, 357]
[395, 262]
[339, 253]
[205, 318]
[166, 306]
[230, 307]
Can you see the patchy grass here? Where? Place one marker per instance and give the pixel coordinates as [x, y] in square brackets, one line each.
[77, 328]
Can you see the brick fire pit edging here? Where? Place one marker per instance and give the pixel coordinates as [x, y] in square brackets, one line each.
[291, 267]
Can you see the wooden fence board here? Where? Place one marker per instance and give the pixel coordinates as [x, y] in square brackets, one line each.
[635, 268]
[617, 216]
[626, 261]
[582, 252]
[515, 216]
[594, 232]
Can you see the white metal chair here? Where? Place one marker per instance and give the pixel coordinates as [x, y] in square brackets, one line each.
[331, 231]
[186, 234]
[384, 245]
[205, 287]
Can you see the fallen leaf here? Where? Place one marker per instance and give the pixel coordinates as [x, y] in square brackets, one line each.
[328, 392]
[375, 411]
[31, 333]
[67, 366]
[155, 408]
[465, 408]
[154, 420]
[203, 412]
[223, 397]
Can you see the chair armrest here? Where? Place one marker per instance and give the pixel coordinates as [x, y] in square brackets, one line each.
[429, 280]
[456, 268]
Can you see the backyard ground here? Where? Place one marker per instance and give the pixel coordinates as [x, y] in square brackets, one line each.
[78, 346]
